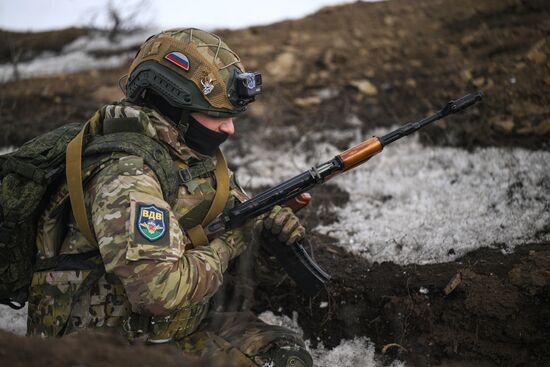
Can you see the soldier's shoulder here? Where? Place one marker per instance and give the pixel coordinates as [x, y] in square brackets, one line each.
[121, 166]
[125, 165]
[121, 176]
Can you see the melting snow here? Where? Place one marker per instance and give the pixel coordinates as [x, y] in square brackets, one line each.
[6, 150]
[14, 321]
[418, 204]
[290, 323]
[78, 56]
[350, 353]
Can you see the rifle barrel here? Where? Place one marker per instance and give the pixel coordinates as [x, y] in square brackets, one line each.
[295, 259]
[452, 106]
[351, 158]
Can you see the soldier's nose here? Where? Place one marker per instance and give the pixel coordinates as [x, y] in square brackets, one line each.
[227, 126]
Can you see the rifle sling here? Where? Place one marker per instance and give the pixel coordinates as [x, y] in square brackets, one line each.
[196, 234]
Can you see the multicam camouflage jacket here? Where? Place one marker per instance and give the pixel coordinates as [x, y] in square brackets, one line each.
[153, 281]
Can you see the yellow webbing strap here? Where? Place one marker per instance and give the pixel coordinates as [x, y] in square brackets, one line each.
[74, 180]
[196, 234]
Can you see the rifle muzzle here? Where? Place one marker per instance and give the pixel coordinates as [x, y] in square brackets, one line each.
[465, 102]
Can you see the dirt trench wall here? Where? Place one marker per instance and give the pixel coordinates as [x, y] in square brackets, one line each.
[485, 306]
[90, 349]
[376, 65]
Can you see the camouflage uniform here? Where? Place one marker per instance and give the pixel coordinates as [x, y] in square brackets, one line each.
[154, 290]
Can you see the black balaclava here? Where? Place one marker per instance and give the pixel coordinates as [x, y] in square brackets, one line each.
[200, 138]
[193, 133]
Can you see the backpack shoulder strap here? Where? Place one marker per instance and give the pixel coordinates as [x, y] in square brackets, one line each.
[74, 180]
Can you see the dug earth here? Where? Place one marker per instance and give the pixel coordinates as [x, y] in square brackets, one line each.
[380, 64]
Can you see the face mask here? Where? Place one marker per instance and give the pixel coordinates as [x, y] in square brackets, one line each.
[202, 139]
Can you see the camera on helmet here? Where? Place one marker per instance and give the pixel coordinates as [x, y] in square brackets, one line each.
[249, 85]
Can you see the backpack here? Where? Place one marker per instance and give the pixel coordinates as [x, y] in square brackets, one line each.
[29, 175]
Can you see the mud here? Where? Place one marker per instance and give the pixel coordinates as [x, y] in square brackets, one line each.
[90, 349]
[485, 307]
[371, 65]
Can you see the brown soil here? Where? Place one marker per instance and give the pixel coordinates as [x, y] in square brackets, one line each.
[416, 55]
[90, 349]
[496, 314]
[386, 63]
[25, 46]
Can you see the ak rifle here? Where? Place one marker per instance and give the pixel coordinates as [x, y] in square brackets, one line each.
[294, 259]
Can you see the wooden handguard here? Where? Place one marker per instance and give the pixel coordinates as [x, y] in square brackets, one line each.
[360, 153]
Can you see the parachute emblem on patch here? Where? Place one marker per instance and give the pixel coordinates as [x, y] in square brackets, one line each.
[151, 222]
[178, 59]
[207, 86]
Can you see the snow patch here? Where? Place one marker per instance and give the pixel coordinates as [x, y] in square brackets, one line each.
[290, 323]
[6, 150]
[79, 55]
[416, 204]
[350, 353]
[59, 64]
[14, 321]
[419, 204]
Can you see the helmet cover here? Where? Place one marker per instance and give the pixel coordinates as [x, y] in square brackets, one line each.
[192, 69]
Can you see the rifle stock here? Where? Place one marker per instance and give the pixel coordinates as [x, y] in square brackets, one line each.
[296, 261]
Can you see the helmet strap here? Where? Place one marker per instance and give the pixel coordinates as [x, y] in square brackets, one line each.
[183, 125]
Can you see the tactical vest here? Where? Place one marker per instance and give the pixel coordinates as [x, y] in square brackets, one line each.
[29, 175]
[123, 135]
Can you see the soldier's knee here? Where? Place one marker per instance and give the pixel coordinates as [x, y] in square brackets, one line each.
[288, 356]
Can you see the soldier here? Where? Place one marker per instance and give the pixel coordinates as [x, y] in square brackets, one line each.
[140, 261]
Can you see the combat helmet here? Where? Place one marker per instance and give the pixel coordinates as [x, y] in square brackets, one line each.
[192, 70]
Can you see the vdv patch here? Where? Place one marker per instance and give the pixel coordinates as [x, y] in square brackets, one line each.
[179, 59]
[151, 222]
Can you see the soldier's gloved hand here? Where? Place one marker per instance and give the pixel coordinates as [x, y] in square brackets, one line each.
[282, 223]
[235, 240]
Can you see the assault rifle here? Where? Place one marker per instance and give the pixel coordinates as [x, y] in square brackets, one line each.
[294, 259]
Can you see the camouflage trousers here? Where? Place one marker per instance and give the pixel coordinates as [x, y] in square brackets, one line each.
[241, 339]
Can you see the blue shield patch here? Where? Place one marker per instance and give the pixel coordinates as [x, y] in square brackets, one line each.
[151, 222]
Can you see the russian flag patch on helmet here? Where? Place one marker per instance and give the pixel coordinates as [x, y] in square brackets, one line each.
[179, 59]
